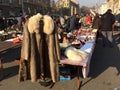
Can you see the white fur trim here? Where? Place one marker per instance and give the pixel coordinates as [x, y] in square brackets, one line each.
[75, 54]
[48, 24]
[33, 23]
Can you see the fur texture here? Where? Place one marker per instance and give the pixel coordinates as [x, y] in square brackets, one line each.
[75, 54]
[39, 40]
[1, 63]
[48, 24]
[33, 24]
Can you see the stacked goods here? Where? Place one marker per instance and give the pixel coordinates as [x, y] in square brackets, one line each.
[65, 72]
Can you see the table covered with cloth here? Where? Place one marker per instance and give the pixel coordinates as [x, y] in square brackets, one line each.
[8, 44]
[88, 47]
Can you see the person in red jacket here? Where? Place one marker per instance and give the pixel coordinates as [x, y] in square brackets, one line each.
[88, 19]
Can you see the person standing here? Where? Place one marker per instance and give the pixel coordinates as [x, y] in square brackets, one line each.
[107, 27]
[96, 22]
[77, 22]
[3, 23]
[117, 21]
[88, 20]
[72, 23]
[96, 25]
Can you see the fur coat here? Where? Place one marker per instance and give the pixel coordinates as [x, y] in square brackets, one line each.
[40, 52]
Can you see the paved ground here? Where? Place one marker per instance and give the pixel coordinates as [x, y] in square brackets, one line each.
[104, 71]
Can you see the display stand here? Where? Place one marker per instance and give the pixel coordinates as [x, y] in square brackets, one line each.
[88, 47]
[4, 46]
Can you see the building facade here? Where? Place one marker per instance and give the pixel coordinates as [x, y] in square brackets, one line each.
[114, 5]
[71, 5]
[32, 7]
[74, 6]
[10, 7]
[16, 7]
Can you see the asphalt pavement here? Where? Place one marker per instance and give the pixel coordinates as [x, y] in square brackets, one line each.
[104, 71]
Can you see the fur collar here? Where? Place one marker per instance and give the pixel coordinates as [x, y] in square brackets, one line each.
[34, 25]
[48, 24]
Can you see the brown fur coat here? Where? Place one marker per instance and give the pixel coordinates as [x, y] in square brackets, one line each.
[40, 53]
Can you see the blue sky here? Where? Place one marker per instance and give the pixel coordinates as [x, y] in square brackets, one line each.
[89, 3]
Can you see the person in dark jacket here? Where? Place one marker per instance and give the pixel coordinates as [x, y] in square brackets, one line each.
[107, 27]
[96, 22]
[72, 23]
[117, 21]
[3, 23]
[96, 25]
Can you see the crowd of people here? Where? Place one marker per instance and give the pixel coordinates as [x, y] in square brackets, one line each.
[74, 22]
[102, 23]
[12, 23]
[105, 24]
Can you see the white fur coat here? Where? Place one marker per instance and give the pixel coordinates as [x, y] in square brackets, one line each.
[75, 54]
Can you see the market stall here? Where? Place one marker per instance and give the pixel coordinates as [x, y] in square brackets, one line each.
[87, 47]
[6, 45]
[41, 51]
[9, 34]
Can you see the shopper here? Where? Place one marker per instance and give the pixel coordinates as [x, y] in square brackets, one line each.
[96, 25]
[72, 23]
[96, 22]
[107, 27]
[88, 20]
[117, 21]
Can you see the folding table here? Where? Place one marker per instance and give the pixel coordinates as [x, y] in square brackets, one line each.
[88, 48]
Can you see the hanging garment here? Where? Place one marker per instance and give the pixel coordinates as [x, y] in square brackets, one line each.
[40, 52]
